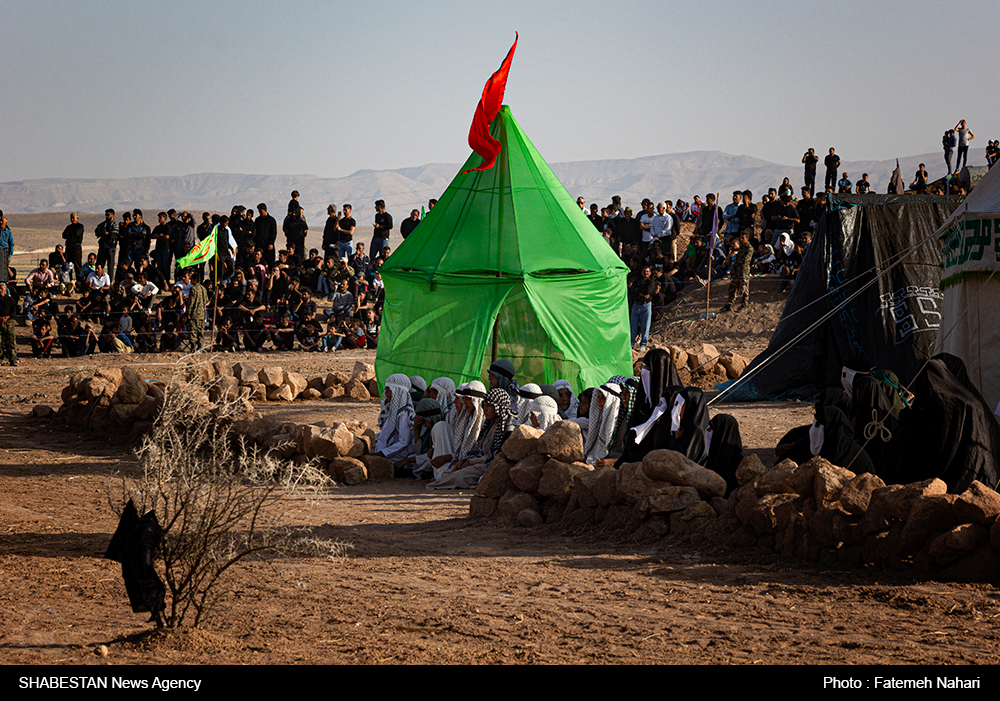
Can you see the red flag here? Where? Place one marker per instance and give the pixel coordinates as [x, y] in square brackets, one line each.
[489, 107]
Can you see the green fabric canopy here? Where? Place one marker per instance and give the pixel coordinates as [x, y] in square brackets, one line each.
[506, 244]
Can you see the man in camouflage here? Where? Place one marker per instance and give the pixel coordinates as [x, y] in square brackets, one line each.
[197, 301]
[739, 285]
[8, 342]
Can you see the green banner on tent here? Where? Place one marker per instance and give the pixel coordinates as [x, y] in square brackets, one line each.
[972, 244]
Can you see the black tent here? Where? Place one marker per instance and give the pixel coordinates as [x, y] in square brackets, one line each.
[893, 323]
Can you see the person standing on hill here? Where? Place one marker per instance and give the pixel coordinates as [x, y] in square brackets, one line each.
[408, 225]
[346, 228]
[265, 233]
[949, 141]
[832, 163]
[810, 159]
[73, 236]
[107, 238]
[383, 226]
[965, 135]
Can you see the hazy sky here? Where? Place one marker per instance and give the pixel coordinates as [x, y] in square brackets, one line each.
[108, 88]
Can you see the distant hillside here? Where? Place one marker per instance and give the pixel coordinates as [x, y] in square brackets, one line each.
[670, 176]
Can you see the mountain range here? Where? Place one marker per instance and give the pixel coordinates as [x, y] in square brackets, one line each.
[670, 176]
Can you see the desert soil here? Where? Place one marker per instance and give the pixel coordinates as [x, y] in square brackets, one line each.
[422, 583]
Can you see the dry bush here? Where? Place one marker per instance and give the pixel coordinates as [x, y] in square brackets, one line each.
[216, 499]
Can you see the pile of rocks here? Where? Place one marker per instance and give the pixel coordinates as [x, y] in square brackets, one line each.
[342, 449]
[705, 360]
[275, 384]
[814, 511]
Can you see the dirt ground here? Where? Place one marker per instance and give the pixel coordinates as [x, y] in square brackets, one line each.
[425, 584]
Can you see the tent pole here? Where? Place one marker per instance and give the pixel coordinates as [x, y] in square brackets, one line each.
[496, 339]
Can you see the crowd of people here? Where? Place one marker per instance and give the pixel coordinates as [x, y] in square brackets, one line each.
[448, 435]
[140, 292]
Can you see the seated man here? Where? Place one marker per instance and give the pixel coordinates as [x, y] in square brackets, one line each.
[343, 303]
[844, 185]
[919, 183]
[41, 278]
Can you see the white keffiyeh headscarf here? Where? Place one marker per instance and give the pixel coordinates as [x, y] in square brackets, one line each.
[467, 433]
[602, 423]
[445, 387]
[388, 418]
[526, 394]
[573, 401]
[545, 411]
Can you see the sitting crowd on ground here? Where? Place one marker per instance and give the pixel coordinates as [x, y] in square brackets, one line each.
[938, 427]
[134, 294]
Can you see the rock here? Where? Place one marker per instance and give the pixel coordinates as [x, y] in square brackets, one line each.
[522, 442]
[513, 502]
[102, 651]
[978, 504]
[605, 485]
[355, 389]
[828, 481]
[777, 480]
[348, 470]
[671, 466]
[528, 518]
[496, 480]
[482, 507]
[773, 512]
[123, 414]
[373, 389]
[379, 469]
[224, 388]
[632, 482]
[76, 379]
[310, 393]
[685, 523]
[222, 367]
[855, 495]
[131, 391]
[334, 443]
[956, 543]
[258, 392]
[679, 357]
[68, 393]
[585, 486]
[750, 469]
[734, 364]
[563, 441]
[42, 411]
[271, 376]
[112, 375]
[94, 387]
[296, 381]
[929, 515]
[245, 373]
[333, 392]
[317, 384]
[662, 499]
[527, 473]
[305, 437]
[336, 379]
[557, 479]
[363, 372]
[703, 358]
[827, 524]
[281, 393]
[898, 501]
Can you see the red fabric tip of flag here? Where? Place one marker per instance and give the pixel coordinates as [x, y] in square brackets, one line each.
[489, 107]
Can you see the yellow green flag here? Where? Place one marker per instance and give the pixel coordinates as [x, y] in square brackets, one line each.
[202, 251]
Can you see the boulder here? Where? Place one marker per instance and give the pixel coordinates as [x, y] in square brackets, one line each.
[773, 512]
[557, 479]
[310, 393]
[355, 389]
[703, 358]
[563, 441]
[348, 470]
[131, 391]
[958, 542]
[585, 486]
[42, 411]
[224, 388]
[245, 373]
[857, 492]
[750, 468]
[828, 481]
[317, 384]
[363, 372]
[334, 443]
[379, 469]
[222, 367]
[271, 376]
[734, 364]
[679, 357]
[333, 392]
[373, 389]
[633, 482]
[522, 442]
[336, 379]
[482, 507]
[112, 375]
[685, 523]
[662, 499]
[671, 466]
[777, 480]
[281, 393]
[496, 480]
[296, 381]
[929, 516]
[528, 518]
[527, 473]
[978, 504]
[513, 502]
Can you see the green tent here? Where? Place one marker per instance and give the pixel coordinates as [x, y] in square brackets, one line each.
[506, 257]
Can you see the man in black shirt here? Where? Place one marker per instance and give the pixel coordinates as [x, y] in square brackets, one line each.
[107, 238]
[73, 235]
[410, 224]
[810, 159]
[383, 225]
[347, 226]
[295, 229]
[265, 233]
[331, 233]
[832, 163]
